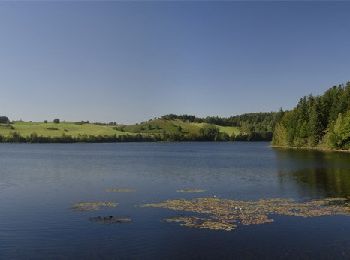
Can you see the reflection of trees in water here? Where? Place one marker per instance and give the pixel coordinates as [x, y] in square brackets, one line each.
[316, 174]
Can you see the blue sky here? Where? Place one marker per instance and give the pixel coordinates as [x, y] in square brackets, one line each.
[131, 61]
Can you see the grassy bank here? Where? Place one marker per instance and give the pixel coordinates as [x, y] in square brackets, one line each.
[153, 130]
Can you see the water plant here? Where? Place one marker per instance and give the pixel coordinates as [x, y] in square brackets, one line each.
[190, 190]
[226, 214]
[110, 219]
[90, 206]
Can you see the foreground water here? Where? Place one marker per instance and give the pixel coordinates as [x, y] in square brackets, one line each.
[40, 183]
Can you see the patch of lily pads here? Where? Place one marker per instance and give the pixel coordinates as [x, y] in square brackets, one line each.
[226, 214]
[110, 219]
[199, 222]
[92, 206]
[190, 190]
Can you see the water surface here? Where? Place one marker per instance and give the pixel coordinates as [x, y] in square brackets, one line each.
[40, 182]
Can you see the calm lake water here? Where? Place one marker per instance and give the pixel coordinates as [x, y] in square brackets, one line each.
[40, 182]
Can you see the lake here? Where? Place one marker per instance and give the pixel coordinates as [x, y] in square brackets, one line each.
[39, 184]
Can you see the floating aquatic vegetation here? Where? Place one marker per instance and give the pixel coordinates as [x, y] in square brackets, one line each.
[110, 219]
[225, 214]
[120, 190]
[197, 222]
[191, 190]
[90, 206]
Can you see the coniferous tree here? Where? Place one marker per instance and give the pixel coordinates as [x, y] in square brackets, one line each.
[317, 121]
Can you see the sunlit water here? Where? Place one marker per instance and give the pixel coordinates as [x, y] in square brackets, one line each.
[40, 182]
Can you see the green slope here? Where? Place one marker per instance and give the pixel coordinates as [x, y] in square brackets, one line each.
[57, 130]
[150, 128]
[160, 126]
[321, 122]
[246, 127]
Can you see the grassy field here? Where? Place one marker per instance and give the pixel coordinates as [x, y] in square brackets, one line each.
[224, 129]
[175, 126]
[156, 126]
[57, 130]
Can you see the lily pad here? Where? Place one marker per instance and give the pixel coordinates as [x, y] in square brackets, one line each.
[110, 219]
[191, 190]
[225, 214]
[197, 222]
[91, 206]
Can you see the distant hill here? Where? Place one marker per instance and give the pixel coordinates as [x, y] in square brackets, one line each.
[248, 127]
[317, 121]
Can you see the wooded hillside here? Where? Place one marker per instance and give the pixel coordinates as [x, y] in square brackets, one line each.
[317, 121]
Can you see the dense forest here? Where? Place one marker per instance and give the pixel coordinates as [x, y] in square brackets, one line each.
[317, 121]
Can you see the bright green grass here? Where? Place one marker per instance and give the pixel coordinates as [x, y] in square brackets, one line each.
[156, 126]
[160, 126]
[229, 130]
[224, 129]
[68, 128]
[174, 126]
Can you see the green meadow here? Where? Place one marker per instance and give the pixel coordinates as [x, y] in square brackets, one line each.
[156, 127]
[56, 130]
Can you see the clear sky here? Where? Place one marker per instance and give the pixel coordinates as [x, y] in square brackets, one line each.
[131, 61]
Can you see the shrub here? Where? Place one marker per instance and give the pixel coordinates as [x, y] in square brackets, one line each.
[4, 120]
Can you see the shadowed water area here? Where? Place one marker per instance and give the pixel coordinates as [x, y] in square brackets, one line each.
[71, 201]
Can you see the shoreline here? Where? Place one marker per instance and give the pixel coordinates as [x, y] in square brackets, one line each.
[144, 141]
[318, 149]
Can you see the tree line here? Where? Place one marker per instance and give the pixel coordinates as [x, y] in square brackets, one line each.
[15, 137]
[317, 121]
[253, 126]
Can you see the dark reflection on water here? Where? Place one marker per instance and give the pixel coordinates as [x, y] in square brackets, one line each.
[39, 184]
[316, 174]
